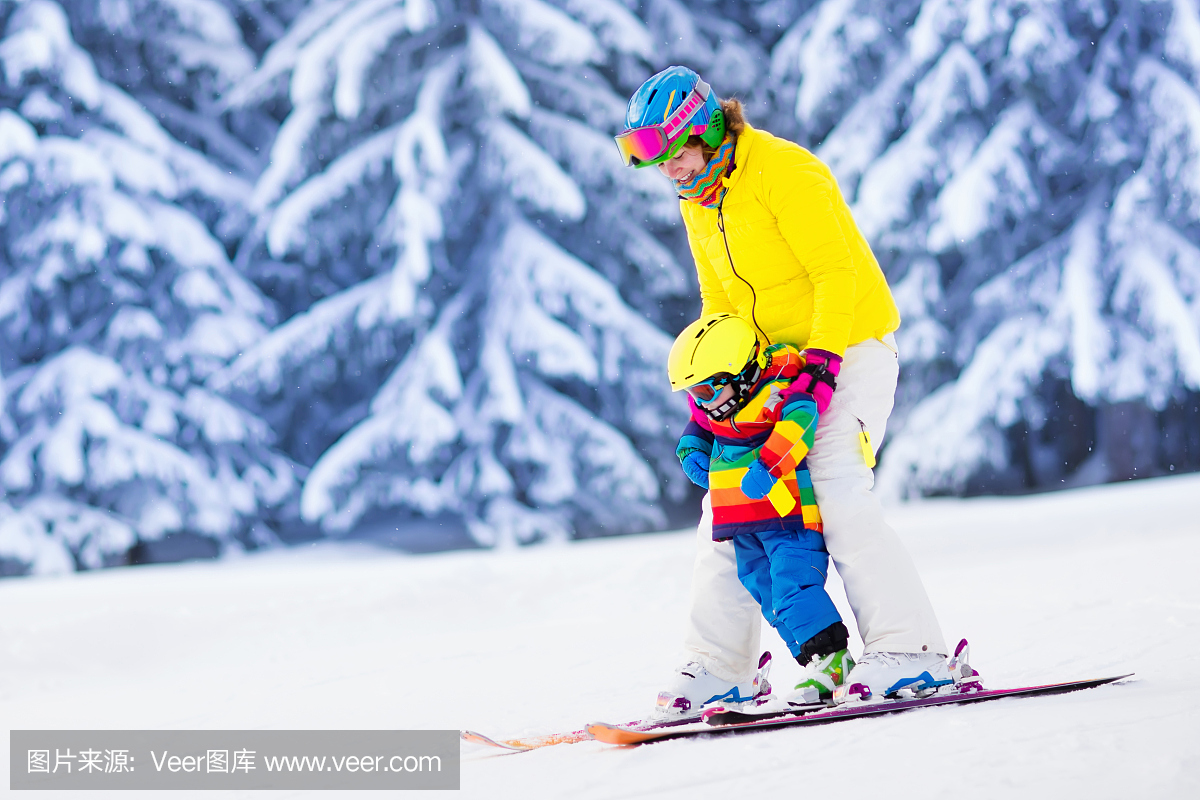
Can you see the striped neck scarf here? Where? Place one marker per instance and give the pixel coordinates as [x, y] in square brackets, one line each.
[705, 187]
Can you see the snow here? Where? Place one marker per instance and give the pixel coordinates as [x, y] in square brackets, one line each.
[136, 169]
[71, 375]
[921, 338]
[287, 155]
[89, 533]
[287, 229]
[614, 25]
[46, 531]
[991, 139]
[1047, 588]
[17, 137]
[407, 417]
[303, 337]
[542, 288]
[957, 428]
[129, 117]
[546, 33]
[581, 94]
[40, 108]
[996, 181]
[1081, 293]
[493, 77]
[588, 156]
[1174, 147]
[420, 161]
[835, 37]
[221, 421]
[66, 163]
[657, 266]
[199, 221]
[1183, 36]
[359, 53]
[1147, 291]
[1040, 45]
[862, 135]
[433, 367]
[599, 468]
[311, 76]
[281, 56]
[1157, 328]
[518, 165]
[587, 152]
[39, 40]
[221, 336]
[926, 153]
[550, 314]
[415, 431]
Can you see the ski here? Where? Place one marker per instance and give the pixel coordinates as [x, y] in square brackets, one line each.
[530, 742]
[721, 721]
[524, 743]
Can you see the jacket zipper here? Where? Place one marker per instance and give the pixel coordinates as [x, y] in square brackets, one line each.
[729, 255]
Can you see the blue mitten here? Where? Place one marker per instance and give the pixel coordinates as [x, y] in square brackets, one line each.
[758, 481]
[695, 466]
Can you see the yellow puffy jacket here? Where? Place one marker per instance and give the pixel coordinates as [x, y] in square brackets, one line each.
[801, 271]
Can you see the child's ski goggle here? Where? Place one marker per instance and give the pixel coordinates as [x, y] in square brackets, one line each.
[653, 144]
[705, 391]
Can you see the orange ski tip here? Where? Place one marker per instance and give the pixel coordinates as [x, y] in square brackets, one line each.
[616, 734]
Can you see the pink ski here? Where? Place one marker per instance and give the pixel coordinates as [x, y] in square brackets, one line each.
[721, 721]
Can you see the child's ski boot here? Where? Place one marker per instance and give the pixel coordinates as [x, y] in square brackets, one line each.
[821, 676]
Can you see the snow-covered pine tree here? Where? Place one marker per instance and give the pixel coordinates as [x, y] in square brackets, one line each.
[467, 268]
[176, 59]
[116, 303]
[1027, 173]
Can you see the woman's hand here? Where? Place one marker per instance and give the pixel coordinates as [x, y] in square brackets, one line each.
[818, 376]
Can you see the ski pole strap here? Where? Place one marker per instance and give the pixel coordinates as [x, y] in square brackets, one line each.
[820, 372]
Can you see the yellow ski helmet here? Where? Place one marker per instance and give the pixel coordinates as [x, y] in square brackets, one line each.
[715, 344]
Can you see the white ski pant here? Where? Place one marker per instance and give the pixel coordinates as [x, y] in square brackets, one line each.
[885, 592]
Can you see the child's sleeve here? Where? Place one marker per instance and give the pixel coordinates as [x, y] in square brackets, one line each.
[793, 435]
[694, 438]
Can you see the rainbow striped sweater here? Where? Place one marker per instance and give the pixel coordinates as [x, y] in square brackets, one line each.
[775, 425]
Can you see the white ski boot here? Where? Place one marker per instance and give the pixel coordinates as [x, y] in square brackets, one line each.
[693, 689]
[879, 675]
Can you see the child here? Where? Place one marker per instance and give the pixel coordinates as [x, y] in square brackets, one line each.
[746, 444]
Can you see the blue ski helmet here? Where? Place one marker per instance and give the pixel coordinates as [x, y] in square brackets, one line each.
[652, 107]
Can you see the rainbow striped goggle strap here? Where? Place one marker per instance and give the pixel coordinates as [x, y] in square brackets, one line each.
[650, 144]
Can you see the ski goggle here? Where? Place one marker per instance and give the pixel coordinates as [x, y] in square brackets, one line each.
[653, 144]
[705, 391]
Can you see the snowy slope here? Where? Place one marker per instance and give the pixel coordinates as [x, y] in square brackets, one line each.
[1077, 584]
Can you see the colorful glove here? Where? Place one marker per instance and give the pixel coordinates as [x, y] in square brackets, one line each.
[758, 481]
[695, 466]
[818, 376]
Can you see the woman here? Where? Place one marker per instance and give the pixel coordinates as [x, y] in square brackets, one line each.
[774, 242]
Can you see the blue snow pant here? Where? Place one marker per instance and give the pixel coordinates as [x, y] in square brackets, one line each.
[785, 572]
